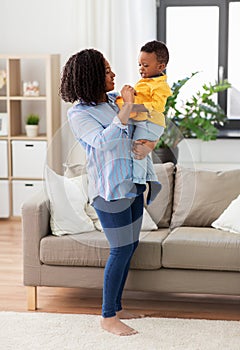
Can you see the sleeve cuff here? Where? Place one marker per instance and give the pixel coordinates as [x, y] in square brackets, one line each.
[117, 122]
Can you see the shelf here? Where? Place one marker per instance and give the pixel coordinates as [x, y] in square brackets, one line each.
[24, 158]
[24, 137]
[28, 98]
[228, 133]
[4, 138]
[25, 179]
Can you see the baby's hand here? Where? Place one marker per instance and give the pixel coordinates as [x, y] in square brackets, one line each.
[128, 93]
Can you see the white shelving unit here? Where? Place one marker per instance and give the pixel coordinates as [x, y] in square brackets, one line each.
[22, 159]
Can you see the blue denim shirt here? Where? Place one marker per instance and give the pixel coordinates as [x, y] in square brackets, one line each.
[108, 145]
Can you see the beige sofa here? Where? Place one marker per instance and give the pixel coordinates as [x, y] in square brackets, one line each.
[184, 255]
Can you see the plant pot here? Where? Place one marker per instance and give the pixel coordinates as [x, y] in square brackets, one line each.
[31, 130]
[165, 155]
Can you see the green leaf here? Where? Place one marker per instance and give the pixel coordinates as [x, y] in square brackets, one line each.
[201, 115]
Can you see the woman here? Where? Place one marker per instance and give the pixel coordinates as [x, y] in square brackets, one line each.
[106, 136]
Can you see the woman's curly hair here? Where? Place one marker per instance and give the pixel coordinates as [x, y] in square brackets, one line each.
[83, 77]
[159, 48]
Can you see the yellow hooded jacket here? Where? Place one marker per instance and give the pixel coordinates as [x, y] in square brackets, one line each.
[153, 93]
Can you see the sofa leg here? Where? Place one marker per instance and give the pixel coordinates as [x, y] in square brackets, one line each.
[31, 298]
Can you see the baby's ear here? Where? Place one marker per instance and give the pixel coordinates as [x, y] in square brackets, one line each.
[162, 66]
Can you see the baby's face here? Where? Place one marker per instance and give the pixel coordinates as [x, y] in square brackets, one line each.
[149, 65]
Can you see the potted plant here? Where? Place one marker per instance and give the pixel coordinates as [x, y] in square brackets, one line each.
[32, 125]
[199, 117]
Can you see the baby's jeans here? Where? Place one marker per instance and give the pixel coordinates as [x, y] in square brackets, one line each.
[148, 131]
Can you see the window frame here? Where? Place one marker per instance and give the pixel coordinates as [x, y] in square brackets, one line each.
[232, 128]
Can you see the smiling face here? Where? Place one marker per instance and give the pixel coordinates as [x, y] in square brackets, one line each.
[109, 80]
[149, 66]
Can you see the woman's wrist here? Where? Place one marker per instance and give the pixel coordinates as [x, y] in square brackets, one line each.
[125, 112]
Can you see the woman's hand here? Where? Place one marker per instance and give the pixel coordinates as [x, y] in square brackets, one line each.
[141, 148]
[128, 94]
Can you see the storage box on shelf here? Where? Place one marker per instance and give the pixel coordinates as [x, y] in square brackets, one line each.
[3, 159]
[22, 190]
[28, 158]
[31, 86]
[5, 201]
[4, 183]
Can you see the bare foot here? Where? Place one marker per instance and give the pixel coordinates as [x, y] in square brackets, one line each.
[125, 315]
[115, 326]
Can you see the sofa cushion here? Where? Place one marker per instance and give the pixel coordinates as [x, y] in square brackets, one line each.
[200, 196]
[202, 249]
[161, 208]
[91, 249]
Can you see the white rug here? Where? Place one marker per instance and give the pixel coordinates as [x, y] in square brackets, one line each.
[46, 331]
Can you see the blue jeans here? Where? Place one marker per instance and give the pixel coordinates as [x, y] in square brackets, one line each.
[121, 221]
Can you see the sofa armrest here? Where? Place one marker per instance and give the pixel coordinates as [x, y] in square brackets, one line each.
[35, 225]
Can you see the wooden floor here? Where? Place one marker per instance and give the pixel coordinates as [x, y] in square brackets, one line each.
[76, 300]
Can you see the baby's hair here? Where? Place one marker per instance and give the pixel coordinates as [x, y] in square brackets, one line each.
[159, 48]
[83, 77]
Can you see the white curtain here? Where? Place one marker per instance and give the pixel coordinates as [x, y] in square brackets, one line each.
[118, 29]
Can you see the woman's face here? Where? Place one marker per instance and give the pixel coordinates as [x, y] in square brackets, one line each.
[109, 80]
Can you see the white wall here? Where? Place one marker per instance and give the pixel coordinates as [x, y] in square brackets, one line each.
[38, 26]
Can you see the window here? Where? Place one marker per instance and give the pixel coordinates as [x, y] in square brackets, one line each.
[233, 102]
[202, 35]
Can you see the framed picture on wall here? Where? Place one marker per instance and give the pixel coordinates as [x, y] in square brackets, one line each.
[3, 124]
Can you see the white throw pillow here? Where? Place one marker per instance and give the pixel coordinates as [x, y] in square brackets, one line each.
[229, 219]
[91, 212]
[148, 224]
[68, 201]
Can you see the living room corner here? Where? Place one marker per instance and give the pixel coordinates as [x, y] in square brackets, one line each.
[183, 283]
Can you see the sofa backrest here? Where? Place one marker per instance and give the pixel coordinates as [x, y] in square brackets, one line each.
[200, 196]
[161, 208]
